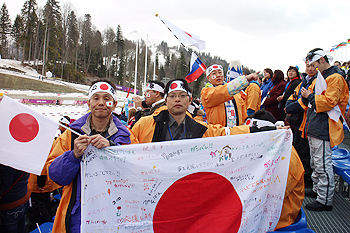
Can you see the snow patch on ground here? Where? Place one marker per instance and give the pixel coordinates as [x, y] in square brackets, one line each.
[14, 67]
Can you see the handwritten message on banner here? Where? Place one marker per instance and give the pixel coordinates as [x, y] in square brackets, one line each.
[221, 184]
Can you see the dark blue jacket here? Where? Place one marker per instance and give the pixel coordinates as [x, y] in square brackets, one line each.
[9, 176]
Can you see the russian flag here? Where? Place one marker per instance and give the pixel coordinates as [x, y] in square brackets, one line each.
[196, 68]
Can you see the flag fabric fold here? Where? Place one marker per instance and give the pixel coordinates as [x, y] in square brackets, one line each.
[196, 68]
[320, 88]
[26, 136]
[184, 37]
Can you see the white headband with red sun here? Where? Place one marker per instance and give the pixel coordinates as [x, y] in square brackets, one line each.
[177, 86]
[154, 87]
[212, 68]
[102, 87]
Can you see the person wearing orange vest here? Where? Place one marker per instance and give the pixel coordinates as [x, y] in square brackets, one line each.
[294, 193]
[41, 188]
[253, 92]
[223, 102]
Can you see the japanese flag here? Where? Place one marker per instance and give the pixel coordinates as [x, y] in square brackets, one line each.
[26, 136]
[224, 184]
[184, 37]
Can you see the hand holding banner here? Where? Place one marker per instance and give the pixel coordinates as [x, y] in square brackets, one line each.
[188, 185]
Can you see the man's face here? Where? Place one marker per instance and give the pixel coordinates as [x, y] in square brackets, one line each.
[99, 105]
[310, 69]
[337, 64]
[216, 77]
[151, 97]
[178, 102]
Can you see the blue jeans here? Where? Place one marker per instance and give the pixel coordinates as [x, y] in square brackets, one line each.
[13, 220]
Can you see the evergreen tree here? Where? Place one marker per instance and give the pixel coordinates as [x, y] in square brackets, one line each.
[30, 19]
[5, 30]
[182, 67]
[52, 23]
[121, 69]
[96, 59]
[86, 37]
[17, 33]
[157, 65]
[38, 37]
[161, 72]
[111, 47]
[120, 41]
[72, 38]
[66, 10]
[167, 62]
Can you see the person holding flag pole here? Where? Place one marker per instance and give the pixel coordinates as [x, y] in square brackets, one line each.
[326, 104]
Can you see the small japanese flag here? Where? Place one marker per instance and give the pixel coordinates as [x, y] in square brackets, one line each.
[109, 103]
[25, 136]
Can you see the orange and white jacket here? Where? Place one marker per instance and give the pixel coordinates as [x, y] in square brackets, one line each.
[214, 98]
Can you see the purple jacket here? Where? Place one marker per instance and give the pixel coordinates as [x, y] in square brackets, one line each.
[65, 168]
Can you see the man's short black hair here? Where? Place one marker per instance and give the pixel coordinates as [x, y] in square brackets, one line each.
[105, 80]
[262, 114]
[187, 88]
[160, 84]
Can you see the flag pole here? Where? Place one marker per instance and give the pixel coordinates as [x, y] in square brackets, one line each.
[200, 65]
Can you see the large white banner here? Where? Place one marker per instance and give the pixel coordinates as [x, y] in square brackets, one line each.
[221, 184]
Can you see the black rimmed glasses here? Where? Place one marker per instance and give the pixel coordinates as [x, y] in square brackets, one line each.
[174, 96]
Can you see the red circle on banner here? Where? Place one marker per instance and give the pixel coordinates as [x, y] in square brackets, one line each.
[104, 87]
[173, 85]
[215, 67]
[24, 127]
[199, 202]
[248, 122]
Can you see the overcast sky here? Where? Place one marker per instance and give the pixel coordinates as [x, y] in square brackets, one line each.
[261, 34]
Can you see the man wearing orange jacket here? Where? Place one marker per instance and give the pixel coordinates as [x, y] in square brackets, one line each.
[222, 102]
[101, 129]
[323, 132]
